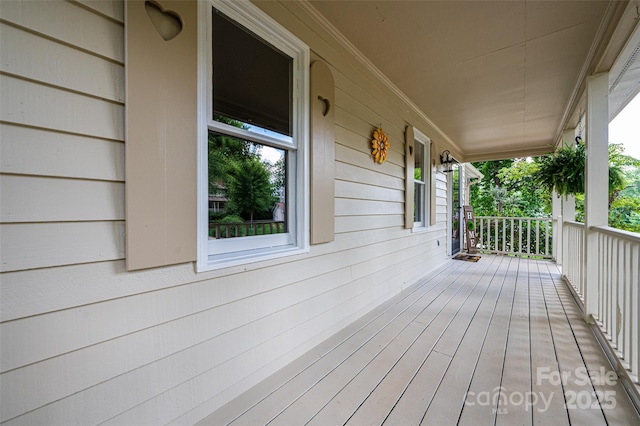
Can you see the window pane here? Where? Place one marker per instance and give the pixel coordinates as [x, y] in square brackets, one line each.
[252, 80]
[247, 188]
[419, 162]
[418, 203]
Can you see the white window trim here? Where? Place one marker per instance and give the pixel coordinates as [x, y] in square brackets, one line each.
[248, 15]
[423, 139]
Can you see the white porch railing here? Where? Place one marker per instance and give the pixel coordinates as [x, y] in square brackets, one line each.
[618, 282]
[619, 301]
[522, 236]
[573, 260]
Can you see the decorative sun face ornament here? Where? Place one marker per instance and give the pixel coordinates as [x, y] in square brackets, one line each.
[379, 146]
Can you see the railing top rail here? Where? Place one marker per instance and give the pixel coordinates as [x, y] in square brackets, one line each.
[515, 218]
[575, 224]
[632, 237]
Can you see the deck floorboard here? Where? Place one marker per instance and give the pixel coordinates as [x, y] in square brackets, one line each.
[500, 341]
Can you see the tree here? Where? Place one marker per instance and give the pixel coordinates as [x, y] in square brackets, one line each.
[481, 193]
[223, 151]
[279, 175]
[508, 189]
[249, 189]
[515, 188]
[624, 173]
[625, 214]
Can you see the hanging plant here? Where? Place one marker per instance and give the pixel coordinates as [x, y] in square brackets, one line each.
[563, 171]
[379, 146]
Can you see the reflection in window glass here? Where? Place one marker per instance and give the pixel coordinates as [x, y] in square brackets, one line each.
[419, 160]
[419, 185]
[247, 195]
[418, 202]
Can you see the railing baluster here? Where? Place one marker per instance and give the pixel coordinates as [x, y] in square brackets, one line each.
[614, 292]
[537, 243]
[634, 358]
[520, 236]
[625, 295]
[546, 235]
[504, 235]
[609, 292]
[512, 245]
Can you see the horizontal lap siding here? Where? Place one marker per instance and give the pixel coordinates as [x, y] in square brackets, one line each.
[167, 344]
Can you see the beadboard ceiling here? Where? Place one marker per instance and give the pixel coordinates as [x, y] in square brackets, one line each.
[499, 78]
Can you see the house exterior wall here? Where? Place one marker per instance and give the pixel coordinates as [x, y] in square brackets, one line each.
[85, 342]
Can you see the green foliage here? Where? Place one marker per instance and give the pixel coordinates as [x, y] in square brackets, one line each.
[619, 159]
[509, 190]
[471, 226]
[625, 214]
[562, 171]
[249, 189]
[237, 173]
[521, 187]
[232, 219]
[223, 151]
[624, 190]
[278, 173]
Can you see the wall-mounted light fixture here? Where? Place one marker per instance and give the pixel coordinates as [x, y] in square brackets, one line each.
[447, 161]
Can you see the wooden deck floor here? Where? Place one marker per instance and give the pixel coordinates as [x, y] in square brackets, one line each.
[500, 341]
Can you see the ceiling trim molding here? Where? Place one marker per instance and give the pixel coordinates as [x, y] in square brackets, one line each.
[359, 56]
[509, 154]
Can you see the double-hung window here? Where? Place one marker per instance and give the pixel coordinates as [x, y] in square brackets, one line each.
[421, 176]
[253, 155]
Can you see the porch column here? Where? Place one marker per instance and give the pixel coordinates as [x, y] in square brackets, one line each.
[569, 201]
[556, 225]
[596, 209]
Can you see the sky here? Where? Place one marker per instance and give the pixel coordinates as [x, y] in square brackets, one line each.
[625, 128]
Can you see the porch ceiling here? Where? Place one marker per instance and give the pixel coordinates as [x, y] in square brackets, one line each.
[499, 78]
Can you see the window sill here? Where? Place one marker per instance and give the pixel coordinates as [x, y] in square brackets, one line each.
[220, 261]
[420, 229]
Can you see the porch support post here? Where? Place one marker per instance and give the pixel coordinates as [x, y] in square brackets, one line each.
[596, 210]
[556, 225]
[568, 202]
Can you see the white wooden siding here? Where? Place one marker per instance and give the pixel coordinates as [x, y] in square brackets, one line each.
[42, 245]
[38, 152]
[67, 23]
[31, 104]
[59, 65]
[110, 8]
[79, 331]
[44, 199]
